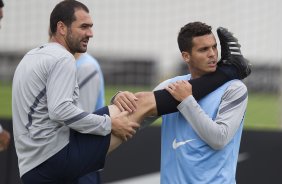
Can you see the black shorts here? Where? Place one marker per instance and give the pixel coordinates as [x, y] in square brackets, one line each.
[84, 153]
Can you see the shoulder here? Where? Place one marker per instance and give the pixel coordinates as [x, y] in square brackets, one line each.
[59, 56]
[236, 89]
[49, 55]
[54, 50]
[168, 81]
[237, 85]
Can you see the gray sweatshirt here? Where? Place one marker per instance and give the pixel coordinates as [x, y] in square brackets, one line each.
[44, 98]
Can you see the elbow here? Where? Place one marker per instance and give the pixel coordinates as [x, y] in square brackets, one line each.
[218, 143]
[57, 113]
[218, 146]
[53, 115]
[220, 139]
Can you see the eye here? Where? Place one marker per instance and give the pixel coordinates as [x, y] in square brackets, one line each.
[203, 49]
[84, 26]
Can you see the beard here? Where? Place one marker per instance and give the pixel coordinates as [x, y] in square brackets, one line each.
[74, 44]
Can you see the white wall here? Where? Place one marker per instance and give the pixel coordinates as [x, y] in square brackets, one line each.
[148, 28]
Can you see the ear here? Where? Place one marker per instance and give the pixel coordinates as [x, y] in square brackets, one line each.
[61, 28]
[185, 56]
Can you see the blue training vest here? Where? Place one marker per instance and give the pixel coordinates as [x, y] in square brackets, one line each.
[195, 162]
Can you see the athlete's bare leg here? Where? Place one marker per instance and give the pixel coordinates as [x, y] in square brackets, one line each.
[146, 106]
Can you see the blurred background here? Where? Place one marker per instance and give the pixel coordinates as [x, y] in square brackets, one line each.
[135, 44]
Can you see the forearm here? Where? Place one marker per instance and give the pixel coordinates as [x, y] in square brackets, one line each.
[215, 134]
[62, 91]
[79, 120]
[218, 132]
[93, 124]
[200, 87]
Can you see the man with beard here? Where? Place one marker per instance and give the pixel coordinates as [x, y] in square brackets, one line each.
[57, 142]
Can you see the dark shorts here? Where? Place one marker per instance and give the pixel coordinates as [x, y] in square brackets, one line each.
[90, 178]
[85, 153]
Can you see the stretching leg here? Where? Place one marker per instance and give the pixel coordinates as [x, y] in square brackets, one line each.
[146, 106]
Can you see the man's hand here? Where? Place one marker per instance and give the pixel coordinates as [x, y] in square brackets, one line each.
[4, 140]
[126, 101]
[180, 89]
[122, 127]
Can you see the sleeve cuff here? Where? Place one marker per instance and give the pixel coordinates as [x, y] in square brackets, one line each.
[108, 126]
[188, 100]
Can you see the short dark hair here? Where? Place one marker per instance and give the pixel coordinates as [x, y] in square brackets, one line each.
[1, 4]
[188, 32]
[64, 11]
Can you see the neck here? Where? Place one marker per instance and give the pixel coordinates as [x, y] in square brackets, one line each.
[77, 55]
[60, 41]
[194, 76]
[195, 73]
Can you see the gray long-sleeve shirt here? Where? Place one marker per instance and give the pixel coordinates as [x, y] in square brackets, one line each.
[44, 98]
[216, 133]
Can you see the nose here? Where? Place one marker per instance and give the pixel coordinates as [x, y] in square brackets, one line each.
[89, 33]
[212, 52]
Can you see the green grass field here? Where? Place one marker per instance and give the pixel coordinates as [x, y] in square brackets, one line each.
[262, 111]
